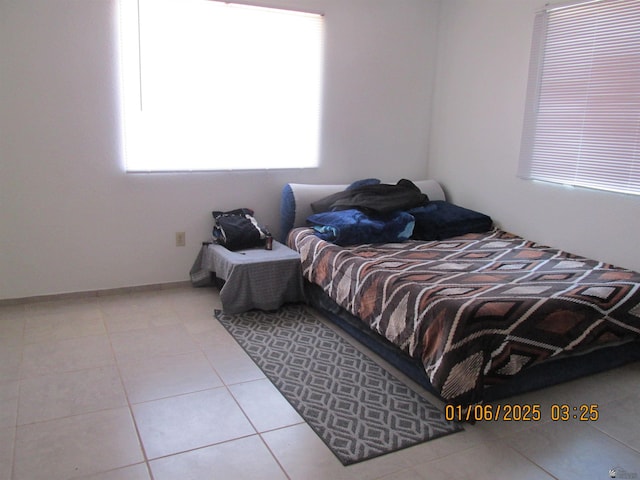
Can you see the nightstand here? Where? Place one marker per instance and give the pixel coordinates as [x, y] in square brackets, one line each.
[256, 277]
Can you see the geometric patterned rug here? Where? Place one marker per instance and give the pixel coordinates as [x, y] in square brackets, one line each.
[355, 406]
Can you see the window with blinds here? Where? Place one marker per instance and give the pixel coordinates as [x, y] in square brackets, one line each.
[209, 85]
[582, 119]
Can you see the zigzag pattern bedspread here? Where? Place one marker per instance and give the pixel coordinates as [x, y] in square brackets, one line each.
[479, 308]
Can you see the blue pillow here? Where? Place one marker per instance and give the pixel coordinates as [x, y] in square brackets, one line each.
[439, 220]
[353, 227]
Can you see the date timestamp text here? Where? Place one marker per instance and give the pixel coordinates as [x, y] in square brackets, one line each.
[557, 412]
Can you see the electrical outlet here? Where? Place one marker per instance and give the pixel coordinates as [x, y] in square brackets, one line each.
[180, 239]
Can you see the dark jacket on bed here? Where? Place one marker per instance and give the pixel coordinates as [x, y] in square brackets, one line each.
[380, 198]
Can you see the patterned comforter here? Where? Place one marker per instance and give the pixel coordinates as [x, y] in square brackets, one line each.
[479, 308]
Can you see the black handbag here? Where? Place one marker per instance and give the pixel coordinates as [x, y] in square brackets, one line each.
[238, 229]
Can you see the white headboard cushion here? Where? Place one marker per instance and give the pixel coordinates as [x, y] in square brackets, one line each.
[431, 188]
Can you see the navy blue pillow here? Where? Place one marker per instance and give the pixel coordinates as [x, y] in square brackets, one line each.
[439, 220]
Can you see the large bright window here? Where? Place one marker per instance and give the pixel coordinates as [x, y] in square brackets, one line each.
[582, 124]
[208, 85]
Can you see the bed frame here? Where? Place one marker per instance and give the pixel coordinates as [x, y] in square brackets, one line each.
[296, 199]
[544, 375]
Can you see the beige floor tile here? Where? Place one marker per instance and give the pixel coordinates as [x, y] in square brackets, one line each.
[134, 303]
[192, 301]
[598, 389]
[588, 390]
[158, 377]
[127, 305]
[626, 379]
[76, 446]
[61, 326]
[137, 345]
[184, 422]
[66, 355]
[265, 406]
[513, 424]
[406, 474]
[134, 472]
[304, 456]
[620, 419]
[7, 436]
[10, 360]
[11, 312]
[484, 462]
[207, 331]
[124, 322]
[114, 305]
[8, 403]
[243, 459]
[66, 306]
[232, 363]
[170, 349]
[71, 393]
[11, 330]
[574, 450]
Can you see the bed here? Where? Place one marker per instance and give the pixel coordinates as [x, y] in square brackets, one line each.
[472, 317]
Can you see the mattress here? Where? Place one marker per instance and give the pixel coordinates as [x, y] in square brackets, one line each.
[478, 309]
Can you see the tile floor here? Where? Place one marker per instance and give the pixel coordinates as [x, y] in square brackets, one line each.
[149, 386]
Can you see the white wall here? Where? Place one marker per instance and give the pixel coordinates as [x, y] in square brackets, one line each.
[71, 220]
[481, 80]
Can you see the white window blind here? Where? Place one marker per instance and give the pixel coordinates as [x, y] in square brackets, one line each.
[208, 85]
[582, 120]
